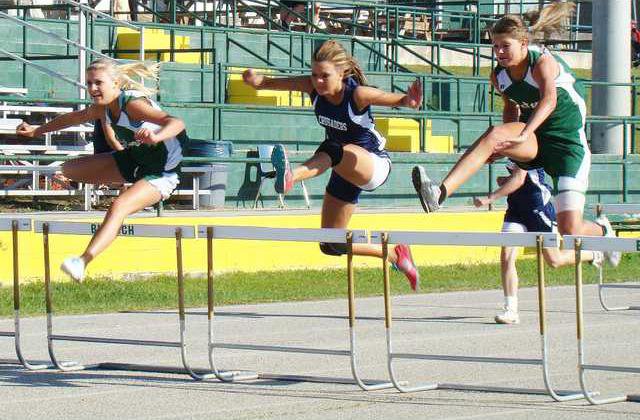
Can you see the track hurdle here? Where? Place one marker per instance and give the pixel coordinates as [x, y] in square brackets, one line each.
[530, 239]
[596, 243]
[148, 231]
[339, 236]
[16, 225]
[603, 209]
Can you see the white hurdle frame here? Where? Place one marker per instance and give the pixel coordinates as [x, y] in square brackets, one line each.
[16, 225]
[604, 209]
[136, 230]
[529, 239]
[596, 243]
[328, 235]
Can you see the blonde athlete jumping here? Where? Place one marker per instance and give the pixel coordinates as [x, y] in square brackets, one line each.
[150, 161]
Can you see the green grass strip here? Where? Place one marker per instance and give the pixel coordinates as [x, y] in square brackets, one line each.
[102, 295]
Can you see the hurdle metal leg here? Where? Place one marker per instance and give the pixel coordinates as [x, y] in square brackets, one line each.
[352, 321]
[602, 286]
[234, 376]
[16, 305]
[73, 366]
[543, 361]
[582, 367]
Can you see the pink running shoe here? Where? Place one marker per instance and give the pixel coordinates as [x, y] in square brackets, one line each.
[405, 265]
[284, 176]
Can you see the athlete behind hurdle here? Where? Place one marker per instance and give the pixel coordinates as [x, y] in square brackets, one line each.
[352, 148]
[150, 161]
[529, 209]
[544, 119]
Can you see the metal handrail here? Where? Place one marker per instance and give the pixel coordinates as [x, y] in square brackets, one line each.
[43, 69]
[54, 35]
[126, 24]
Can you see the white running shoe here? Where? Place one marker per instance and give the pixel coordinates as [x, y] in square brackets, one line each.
[74, 267]
[598, 259]
[613, 257]
[507, 316]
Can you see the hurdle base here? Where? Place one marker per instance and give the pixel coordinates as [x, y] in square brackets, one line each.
[260, 376]
[509, 390]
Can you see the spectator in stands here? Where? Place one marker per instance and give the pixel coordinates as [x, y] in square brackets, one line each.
[155, 141]
[352, 148]
[529, 209]
[300, 8]
[544, 117]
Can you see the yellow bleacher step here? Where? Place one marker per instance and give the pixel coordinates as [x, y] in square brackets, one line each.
[240, 93]
[128, 39]
[439, 144]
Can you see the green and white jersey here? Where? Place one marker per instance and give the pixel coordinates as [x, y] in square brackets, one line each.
[150, 158]
[562, 143]
[567, 119]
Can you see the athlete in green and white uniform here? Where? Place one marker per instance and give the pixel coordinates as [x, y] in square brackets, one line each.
[150, 161]
[157, 163]
[563, 151]
[543, 124]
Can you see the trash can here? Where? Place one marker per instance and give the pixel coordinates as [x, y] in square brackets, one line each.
[215, 178]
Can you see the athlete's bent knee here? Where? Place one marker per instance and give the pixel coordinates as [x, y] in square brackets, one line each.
[333, 249]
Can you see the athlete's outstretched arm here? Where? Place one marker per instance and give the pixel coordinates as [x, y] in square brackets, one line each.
[367, 95]
[141, 110]
[260, 81]
[508, 186]
[91, 113]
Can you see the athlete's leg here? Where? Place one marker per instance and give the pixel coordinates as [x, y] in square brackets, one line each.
[140, 195]
[96, 169]
[356, 166]
[474, 158]
[337, 213]
[432, 194]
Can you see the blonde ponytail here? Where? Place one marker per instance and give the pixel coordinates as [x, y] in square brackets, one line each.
[129, 74]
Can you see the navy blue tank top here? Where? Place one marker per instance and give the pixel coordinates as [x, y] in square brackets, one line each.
[344, 124]
[534, 193]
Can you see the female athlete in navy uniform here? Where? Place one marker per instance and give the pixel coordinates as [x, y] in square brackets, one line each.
[529, 209]
[352, 148]
[150, 161]
[544, 117]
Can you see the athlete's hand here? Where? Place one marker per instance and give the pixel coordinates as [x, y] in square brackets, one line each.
[413, 98]
[509, 143]
[146, 136]
[26, 130]
[252, 78]
[481, 202]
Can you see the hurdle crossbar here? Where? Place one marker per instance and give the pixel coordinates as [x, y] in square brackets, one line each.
[596, 243]
[604, 209]
[15, 226]
[132, 230]
[529, 239]
[338, 236]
